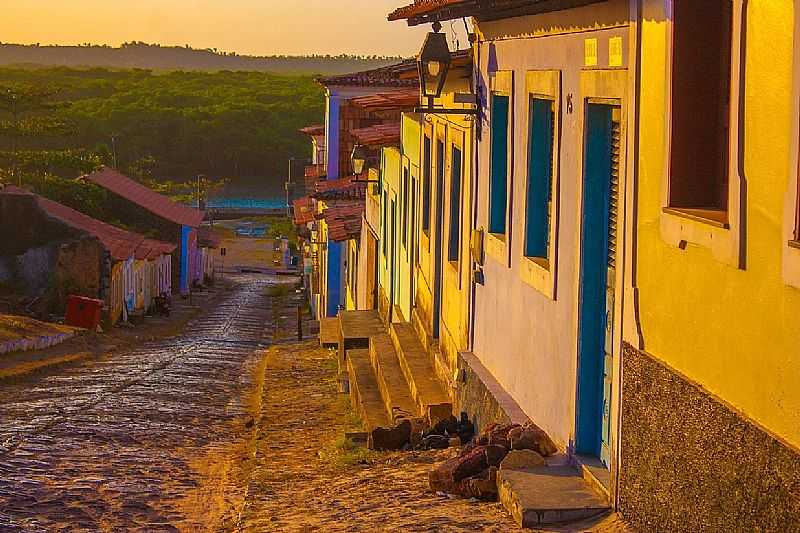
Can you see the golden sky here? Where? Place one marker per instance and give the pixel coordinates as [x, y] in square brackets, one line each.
[259, 27]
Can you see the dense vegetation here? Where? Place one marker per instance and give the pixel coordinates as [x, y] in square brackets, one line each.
[160, 126]
[157, 57]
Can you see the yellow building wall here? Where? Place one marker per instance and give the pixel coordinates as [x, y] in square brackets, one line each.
[735, 332]
[454, 319]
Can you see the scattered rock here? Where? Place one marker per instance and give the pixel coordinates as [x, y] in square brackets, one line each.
[393, 438]
[434, 442]
[446, 475]
[495, 454]
[533, 438]
[521, 460]
[482, 486]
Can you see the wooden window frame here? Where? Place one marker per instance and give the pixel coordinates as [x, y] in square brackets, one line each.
[541, 273]
[679, 226]
[502, 83]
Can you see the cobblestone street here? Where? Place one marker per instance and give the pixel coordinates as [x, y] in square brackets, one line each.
[150, 439]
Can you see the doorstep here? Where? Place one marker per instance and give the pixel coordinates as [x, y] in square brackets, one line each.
[549, 495]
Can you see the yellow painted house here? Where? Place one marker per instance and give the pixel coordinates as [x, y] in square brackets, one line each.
[711, 366]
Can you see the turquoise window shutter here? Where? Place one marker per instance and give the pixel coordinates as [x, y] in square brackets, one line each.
[498, 187]
[540, 177]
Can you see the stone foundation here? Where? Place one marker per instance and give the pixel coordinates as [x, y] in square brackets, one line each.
[480, 395]
[691, 463]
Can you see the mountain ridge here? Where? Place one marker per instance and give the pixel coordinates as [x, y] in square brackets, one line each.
[157, 57]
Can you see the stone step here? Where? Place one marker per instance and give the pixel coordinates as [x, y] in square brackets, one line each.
[549, 495]
[429, 395]
[365, 395]
[391, 380]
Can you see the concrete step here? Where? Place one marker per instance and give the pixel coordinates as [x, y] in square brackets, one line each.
[354, 328]
[549, 495]
[365, 395]
[391, 380]
[429, 395]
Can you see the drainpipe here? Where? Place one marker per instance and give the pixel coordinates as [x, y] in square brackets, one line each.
[476, 126]
[637, 16]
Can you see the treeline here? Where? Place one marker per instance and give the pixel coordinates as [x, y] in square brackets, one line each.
[161, 126]
[157, 57]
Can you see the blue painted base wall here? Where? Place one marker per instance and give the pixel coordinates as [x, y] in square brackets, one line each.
[335, 277]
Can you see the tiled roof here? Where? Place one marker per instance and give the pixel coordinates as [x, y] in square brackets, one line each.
[344, 221]
[400, 75]
[341, 189]
[379, 135]
[315, 171]
[427, 11]
[388, 101]
[150, 249]
[303, 210]
[136, 193]
[425, 7]
[120, 243]
[316, 129]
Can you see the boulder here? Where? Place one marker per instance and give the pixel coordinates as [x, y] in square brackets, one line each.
[495, 454]
[533, 438]
[393, 438]
[445, 476]
[521, 460]
[482, 486]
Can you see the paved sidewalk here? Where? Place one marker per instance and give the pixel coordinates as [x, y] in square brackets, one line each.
[293, 489]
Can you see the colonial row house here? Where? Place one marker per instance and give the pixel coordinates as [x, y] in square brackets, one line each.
[590, 222]
[331, 161]
[155, 214]
[60, 252]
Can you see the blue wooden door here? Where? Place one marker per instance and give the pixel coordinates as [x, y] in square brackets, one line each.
[597, 285]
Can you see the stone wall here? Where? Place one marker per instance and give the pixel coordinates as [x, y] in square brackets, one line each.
[78, 271]
[691, 463]
[480, 395]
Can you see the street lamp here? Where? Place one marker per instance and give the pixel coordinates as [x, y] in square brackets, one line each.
[359, 158]
[433, 63]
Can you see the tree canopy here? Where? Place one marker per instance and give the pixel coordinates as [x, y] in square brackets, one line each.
[164, 126]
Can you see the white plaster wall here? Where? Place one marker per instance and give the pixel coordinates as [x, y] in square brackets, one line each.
[527, 340]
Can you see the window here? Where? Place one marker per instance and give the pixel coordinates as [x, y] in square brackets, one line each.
[426, 185]
[405, 206]
[701, 108]
[498, 179]
[541, 130]
[454, 241]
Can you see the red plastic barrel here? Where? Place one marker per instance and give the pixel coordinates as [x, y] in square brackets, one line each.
[83, 312]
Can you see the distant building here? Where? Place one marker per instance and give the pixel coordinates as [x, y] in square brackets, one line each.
[157, 215]
[60, 252]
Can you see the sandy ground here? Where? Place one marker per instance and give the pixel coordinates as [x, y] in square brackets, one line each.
[293, 488]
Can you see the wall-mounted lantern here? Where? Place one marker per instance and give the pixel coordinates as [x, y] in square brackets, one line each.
[361, 159]
[433, 63]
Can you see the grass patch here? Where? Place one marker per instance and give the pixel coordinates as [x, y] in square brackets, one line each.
[343, 452]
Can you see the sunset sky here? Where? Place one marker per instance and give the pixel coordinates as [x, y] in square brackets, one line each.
[259, 27]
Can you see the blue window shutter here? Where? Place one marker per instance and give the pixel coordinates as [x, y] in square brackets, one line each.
[426, 185]
[540, 177]
[498, 187]
[454, 243]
